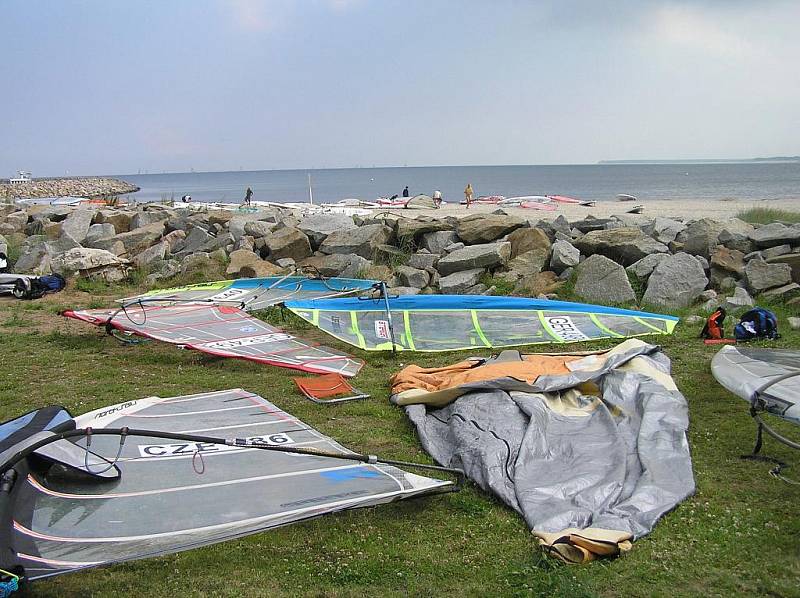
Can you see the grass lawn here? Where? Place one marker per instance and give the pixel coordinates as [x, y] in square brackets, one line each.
[740, 534]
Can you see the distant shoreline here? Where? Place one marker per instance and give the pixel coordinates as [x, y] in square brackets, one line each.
[771, 160]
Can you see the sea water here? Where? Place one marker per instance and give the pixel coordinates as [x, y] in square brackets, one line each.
[600, 182]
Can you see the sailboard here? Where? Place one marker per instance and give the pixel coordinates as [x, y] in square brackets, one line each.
[454, 322]
[222, 331]
[157, 475]
[253, 294]
[768, 377]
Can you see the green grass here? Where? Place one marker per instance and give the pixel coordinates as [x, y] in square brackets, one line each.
[767, 215]
[736, 536]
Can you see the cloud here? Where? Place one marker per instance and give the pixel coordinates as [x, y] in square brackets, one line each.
[694, 29]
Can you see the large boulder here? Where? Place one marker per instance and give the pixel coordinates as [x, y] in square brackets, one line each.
[664, 230]
[739, 300]
[242, 258]
[528, 239]
[458, 282]
[133, 241]
[152, 255]
[793, 259]
[488, 255]
[361, 240]
[148, 217]
[564, 255]
[736, 235]
[288, 242]
[624, 245]
[33, 258]
[484, 228]
[412, 277]
[423, 261]
[540, 283]
[436, 242]
[77, 224]
[761, 275]
[338, 264]
[601, 280]
[726, 261]
[702, 237]
[121, 219]
[676, 281]
[17, 220]
[258, 228]
[318, 226]
[90, 263]
[774, 234]
[411, 228]
[645, 266]
[99, 232]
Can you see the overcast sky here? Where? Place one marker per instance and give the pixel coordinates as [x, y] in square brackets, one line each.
[115, 86]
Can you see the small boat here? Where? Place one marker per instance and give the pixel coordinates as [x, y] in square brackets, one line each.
[626, 197]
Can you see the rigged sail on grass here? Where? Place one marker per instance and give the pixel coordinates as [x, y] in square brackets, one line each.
[168, 495]
[256, 293]
[453, 322]
[222, 331]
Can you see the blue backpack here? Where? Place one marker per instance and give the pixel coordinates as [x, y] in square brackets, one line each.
[757, 323]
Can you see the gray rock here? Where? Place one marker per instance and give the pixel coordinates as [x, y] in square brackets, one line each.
[702, 236]
[703, 262]
[458, 282]
[436, 242]
[404, 291]
[454, 247]
[149, 256]
[664, 230]
[197, 241]
[738, 300]
[34, 259]
[793, 259]
[489, 255]
[259, 228]
[318, 226]
[761, 276]
[243, 259]
[120, 219]
[794, 323]
[784, 292]
[345, 265]
[484, 228]
[423, 261]
[624, 245]
[99, 232]
[148, 217]
[736, 235]
[286, 262]
[776, 251]
[411, 228]
[361, 241]
[726, 284]
[564, 255]
[645, 266]
[133, 241]
[389, 254]
[676, 282]
[601, 280]
[412, 277]
[566, 274]
[195, 261]
[708, 295]
[288, 242]
[78, 222]
[725, 262]
[87, 261]
[17, 220]
[771, 235]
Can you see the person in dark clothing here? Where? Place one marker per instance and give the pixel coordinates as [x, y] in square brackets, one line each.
[405, 191]
[248, 196]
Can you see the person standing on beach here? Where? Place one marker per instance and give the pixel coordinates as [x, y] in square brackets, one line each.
[405, 191]
[437, 198]
[248, 196]
[468, 194]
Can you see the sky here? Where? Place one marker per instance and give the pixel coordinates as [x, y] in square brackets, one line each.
[118, 87]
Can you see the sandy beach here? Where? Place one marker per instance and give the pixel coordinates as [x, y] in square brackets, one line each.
[685, 210]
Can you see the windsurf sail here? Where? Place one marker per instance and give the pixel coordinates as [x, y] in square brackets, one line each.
[768, 379]
[222, 331]
[256, 293]
[188, 471]
[454, 322]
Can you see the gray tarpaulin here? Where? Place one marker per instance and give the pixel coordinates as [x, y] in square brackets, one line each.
[589, 469]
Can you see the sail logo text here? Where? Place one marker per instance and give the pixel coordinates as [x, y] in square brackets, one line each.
[187, 449]
[251, 340]
[565, 329]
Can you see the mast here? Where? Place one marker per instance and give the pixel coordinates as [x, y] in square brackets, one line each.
[310, 193]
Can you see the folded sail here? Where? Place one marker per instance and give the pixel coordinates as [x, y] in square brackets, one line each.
[453, 322]
[223, 331]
